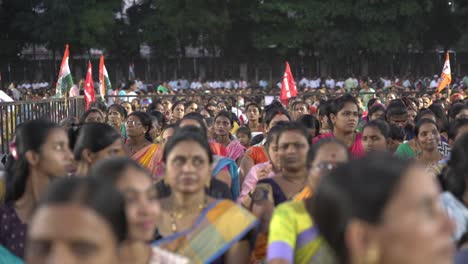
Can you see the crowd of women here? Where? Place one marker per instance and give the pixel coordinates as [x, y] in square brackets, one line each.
[193, 182]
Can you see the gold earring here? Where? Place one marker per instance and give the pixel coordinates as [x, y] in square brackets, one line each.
[373, 255]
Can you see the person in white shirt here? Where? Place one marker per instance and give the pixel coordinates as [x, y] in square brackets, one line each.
[434, 82]
[303, 83]
[242, 84]
[227, 84]
[330, 83]
[5, 97]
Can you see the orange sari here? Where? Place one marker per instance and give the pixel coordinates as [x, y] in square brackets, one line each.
[149, 157]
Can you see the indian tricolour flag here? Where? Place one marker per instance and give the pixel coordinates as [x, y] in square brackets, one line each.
[65, 80]
[104, 81]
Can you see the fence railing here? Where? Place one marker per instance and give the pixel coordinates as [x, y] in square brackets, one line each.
[15, 113]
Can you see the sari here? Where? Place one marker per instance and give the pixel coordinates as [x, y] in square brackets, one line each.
[268, 189]
[6, 257]
[212, 235]
[251, 180]
[257, 154]
[218, 149]
[149, 157]
[231, 166]
[356, 149]
[235, 150]
[161, 256]
[294, 237]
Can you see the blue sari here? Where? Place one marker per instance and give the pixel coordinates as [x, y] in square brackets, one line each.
[222, 162]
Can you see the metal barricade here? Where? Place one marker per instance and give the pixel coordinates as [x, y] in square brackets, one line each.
[54, 109]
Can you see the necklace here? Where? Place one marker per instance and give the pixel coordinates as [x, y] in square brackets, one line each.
[178, 214]
[134, 149]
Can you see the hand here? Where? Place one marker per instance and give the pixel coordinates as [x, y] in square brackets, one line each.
[264, 172]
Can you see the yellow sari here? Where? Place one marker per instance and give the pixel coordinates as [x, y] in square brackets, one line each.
[149, 157]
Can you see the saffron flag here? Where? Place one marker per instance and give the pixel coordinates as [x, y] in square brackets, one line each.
[65, 81]
[104, 81]
[90, 95]
[288, 86]
[446, 76]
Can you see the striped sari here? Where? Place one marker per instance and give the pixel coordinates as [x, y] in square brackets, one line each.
[294, 237]
[212, 234]
[149, 157]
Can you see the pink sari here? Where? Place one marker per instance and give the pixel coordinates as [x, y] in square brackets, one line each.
[357, 151]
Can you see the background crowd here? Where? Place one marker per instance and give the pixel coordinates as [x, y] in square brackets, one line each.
[350, 171]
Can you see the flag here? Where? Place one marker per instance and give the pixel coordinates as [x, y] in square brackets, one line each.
[288, 86]
[131, 71]
[89, 87]
[65, 81]
[104, 81]
[446, 76]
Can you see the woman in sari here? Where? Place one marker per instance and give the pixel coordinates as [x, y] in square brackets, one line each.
[116, 115]
[411, 148]
[142, 210]
[193, 224]
[139, 144]
[293, 237]
[253, 115]
[95, 141]
[257, 154]
[223, 124]
[382, 209]
[290, 184]
[344, 115]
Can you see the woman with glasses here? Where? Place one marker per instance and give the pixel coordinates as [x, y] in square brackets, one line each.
[290, 184]
[139, 144]
[293, 237]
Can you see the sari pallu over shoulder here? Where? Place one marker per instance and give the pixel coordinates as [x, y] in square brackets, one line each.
[212, 234]
[149, 157]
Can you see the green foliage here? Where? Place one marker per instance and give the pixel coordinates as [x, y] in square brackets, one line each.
[239, 29]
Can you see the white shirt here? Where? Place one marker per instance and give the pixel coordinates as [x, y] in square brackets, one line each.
[330, 83]
[434, 84]
[5, 97]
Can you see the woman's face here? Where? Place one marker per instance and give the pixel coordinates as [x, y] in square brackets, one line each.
[422, 224]
[326, 158]
[94, 117]
[252, 113]
[160, 108]
[276, 120]
[411, 116]
[299, 110]
[428, 137]
[178, 112]
[222, 126]
[378, 115]
[134, 127]
[128, 107]
[115, 118]
[390, 97]
[188, 168]
[273, 154]
[70, 234]
[373, 140]
[167, 134]
[426, 102]
[54, 159]
[346, 119]
[192, 108]
[116, 149]
[167, 105]
[293, 148]
[142, 206]
[155, 130]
